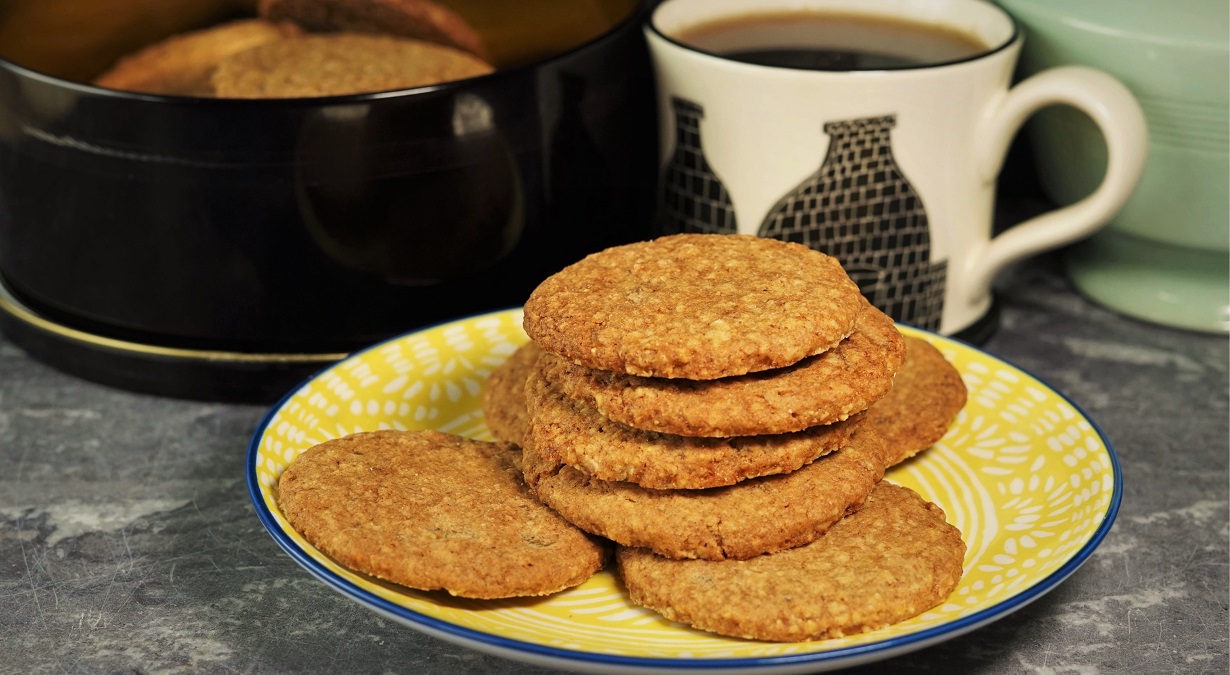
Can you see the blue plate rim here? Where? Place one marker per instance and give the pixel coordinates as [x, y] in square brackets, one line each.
[889, 647]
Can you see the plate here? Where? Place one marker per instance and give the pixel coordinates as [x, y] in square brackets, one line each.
[1030, 481]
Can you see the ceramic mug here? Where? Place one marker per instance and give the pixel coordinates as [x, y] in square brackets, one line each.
[892, 169]
[1165, 257]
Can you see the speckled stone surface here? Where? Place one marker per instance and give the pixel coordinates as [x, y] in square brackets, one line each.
[128, 543]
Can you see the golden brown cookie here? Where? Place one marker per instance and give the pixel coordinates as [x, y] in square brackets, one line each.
[504, 394]
[431, 510]
[820, 389]
[340, 63]
[891, 560]
[598, 447]
[182, 64]
[415, 19]
[927, 394]
[694, 306]
[757, 516]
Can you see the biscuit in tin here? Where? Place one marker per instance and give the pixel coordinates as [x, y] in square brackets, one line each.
[415, 19]
[338, 64]
[182, 64]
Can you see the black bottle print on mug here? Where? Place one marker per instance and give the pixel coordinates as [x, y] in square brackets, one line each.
[693, 197]
[860, 209]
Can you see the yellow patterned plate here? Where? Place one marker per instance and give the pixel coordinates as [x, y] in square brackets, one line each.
[1032, 484]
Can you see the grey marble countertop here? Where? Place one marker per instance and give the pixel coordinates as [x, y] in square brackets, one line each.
[128, 543]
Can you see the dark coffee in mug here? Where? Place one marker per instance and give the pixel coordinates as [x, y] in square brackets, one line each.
[816, 40]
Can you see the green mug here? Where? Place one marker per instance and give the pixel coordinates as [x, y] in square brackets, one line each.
[1165, 257]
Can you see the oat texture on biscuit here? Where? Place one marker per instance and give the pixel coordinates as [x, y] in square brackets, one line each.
[504, 394]
[927, 394]
[694, 306]
[431, 511]
[336, 64]
[417, 19]
[611, 451]
[182, 64]
[893, 559]
[818, 390]
[758, 516]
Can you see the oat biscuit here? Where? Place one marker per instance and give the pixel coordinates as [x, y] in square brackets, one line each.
[820, 389]
[757, 516]
[612, 451]
[340, 63]
[182, 64]
[504, 394]
[431, 511]
[694, 306]
[416, 19]
[927, 394]
[891, 560]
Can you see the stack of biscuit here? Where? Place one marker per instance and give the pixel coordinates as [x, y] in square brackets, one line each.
[717, 406]
[722, 408]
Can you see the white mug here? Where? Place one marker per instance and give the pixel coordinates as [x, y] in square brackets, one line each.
[893, 171]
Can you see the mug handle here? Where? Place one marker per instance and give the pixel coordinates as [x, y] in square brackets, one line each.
[1122, 123]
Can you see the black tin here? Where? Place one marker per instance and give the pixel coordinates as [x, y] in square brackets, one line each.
[216, 235]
